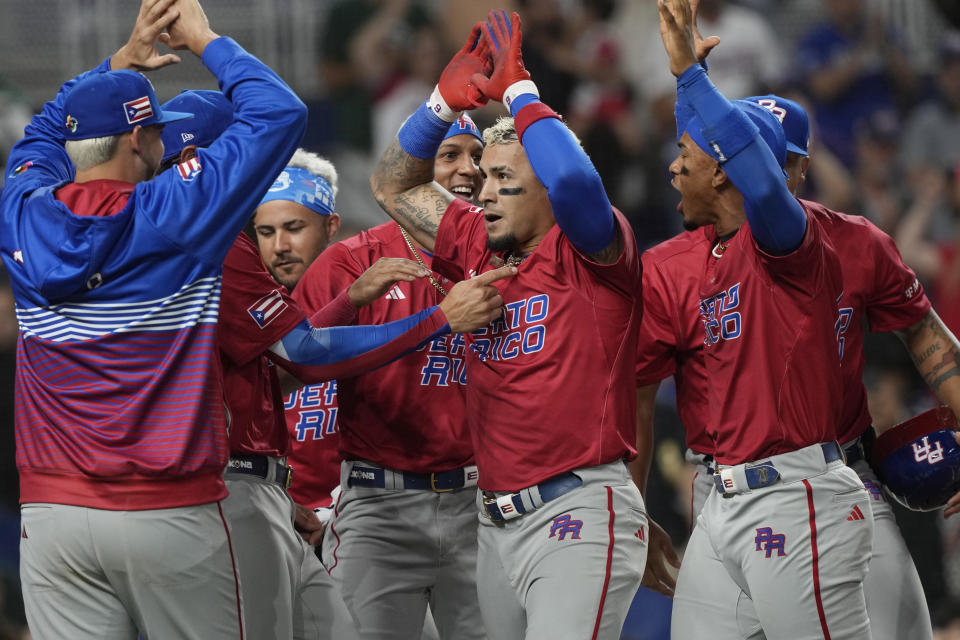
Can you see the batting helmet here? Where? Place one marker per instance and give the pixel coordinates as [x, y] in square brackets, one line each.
[919, 460]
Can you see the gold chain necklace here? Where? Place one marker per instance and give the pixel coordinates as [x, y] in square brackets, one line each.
[416, 254]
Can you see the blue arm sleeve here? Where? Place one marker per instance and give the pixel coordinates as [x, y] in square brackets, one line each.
[777, 220]
[42, 144]
[202, 212]
[577, 197]
[682, 111]
[315, 354]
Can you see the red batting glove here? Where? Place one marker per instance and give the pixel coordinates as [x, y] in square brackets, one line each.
[504, 39]
[456, 87]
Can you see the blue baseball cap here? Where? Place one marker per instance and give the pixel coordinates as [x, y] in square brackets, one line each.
[464, 125]
[110, 103]
[770, 130]
[793, 117]
[212, 114]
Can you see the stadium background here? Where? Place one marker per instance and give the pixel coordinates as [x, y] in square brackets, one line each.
[887, 136]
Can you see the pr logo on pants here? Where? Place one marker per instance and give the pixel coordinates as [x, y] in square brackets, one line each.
[562, 525]
[768, 541]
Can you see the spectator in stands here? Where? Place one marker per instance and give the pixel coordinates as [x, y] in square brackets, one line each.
[937, 263]
[852, 65]
[354, 70]
[931, 141]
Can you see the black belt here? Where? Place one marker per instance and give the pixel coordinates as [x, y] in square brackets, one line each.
[441, 481]
[255, 464]
[854, 452]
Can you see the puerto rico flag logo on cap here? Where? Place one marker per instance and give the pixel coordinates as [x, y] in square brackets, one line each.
[189, 170]
[138, 109]
[266, 309]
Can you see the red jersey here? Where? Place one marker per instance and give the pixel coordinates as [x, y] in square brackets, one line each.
[551, 382]
[255, 312]
[671, 333]
[875, 280]
[770, 345]
[311, 414]
[409, 414]
[875, 283]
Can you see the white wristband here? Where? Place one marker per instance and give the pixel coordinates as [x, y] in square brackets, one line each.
[516, 89]
[440, 107]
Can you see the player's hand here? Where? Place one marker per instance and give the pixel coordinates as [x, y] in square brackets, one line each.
[456, 84]
[475, 303]
[379, 278]
[953, 504]
[140, 52]
[676, 30]
[701, 46]
[504, 39]
[308, 525]
[191, 30]
[660, 551]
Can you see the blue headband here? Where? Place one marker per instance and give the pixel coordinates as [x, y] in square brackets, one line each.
[299, 185]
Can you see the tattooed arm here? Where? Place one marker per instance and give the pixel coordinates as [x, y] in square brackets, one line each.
[936, 354]
[403, 186]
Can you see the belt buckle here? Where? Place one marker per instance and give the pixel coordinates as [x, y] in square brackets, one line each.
[487, 501]
[435, 488]
[289, 480]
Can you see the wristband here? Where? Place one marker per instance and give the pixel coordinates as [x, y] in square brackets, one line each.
[440, 107]
[421, 135]
[516, 90]
[529, 114]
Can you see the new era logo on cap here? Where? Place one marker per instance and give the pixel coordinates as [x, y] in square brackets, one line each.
[186, 137]
[138, 109]
[266, 309]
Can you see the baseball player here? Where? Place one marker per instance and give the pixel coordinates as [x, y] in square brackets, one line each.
[121, 442]
[561, 543]
[781, 545]
[286, 592]
[879, 285]
[404, 425]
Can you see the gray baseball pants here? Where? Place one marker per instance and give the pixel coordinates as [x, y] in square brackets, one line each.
[895, 601]
[286, 592]
[109, 575]
[570, 568]
[393, 551]
[782, 562]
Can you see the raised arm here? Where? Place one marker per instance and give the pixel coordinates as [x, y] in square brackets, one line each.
[203, 206]
[579, 202]
[777, 220]
[40, 158]
[402, 181]
[315, 354]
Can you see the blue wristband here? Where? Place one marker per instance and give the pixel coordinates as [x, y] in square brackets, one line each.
[421, 135]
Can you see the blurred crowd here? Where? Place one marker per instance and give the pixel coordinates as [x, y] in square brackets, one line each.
[880, 79]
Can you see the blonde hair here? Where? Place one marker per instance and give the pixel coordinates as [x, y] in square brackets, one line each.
[317, 165]
[501, 132]
[88, 153]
